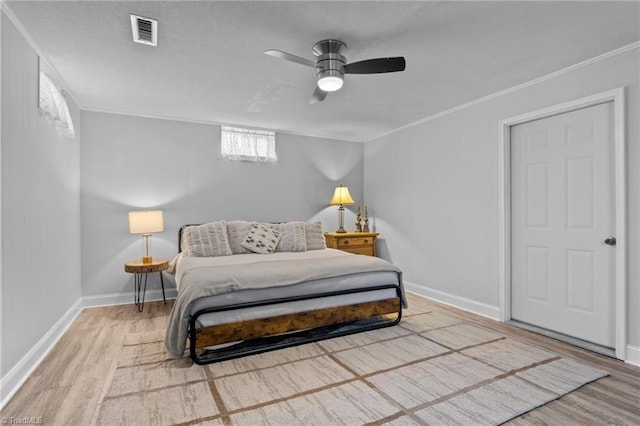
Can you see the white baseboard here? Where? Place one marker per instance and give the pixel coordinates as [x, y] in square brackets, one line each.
[125, 298]
[463, 303]
[493, 312]
[15, 378]
[633, 355]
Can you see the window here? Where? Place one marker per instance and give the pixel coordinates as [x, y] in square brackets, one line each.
[53, 106]
[248, 145]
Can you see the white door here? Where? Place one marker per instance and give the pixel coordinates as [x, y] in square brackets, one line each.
[562, 211]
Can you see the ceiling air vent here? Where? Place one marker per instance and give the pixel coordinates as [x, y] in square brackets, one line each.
[145, 30]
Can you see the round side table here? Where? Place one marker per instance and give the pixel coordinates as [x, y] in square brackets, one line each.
[139, 270]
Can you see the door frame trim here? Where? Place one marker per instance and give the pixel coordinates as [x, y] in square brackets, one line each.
[617, 96]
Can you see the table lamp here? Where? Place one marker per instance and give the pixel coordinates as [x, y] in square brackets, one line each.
[341, 197]
[146, 222]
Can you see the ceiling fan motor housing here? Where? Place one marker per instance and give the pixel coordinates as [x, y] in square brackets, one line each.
[330, 62]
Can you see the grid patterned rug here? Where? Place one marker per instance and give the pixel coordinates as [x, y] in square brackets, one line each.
[431, 369]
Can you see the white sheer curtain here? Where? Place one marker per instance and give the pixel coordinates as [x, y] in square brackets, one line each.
[248, 144]
[53, 107]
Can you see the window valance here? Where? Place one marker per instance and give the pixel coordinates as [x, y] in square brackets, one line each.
[248, 144]
[53, 107]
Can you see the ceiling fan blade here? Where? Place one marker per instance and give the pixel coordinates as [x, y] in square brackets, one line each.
[289, 57]
[375, 66]
[318, 96]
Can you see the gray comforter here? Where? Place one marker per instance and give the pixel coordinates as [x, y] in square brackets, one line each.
[210, 281]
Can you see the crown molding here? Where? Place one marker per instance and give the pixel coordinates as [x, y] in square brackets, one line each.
[594, 60]
[4, 7]
[217, 123]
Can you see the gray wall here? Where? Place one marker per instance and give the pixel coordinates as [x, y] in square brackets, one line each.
[130, 163]
[433, 187]
[40, 207]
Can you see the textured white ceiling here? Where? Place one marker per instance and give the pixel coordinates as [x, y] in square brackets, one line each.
[209, 64]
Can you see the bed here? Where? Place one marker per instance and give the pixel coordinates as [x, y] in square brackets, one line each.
[233, 302]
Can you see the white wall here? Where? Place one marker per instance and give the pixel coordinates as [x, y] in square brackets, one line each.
[433, 188]
[130, 163]
[40, 207]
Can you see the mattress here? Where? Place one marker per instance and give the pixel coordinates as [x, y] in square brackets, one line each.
[182, 264]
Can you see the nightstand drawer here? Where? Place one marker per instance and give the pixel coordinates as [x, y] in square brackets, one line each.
[348, 242]
[368, 251]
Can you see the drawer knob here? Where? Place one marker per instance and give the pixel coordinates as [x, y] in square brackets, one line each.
[346, 242]
[366, 241]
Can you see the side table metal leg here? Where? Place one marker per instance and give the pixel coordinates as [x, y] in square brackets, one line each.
[162, 283]
[144, 291]
[137, 281]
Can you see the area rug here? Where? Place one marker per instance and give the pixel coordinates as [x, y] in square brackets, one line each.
[431, 369]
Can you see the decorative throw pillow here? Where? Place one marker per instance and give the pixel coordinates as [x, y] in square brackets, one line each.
[293, 236]
[261, 239]
[206, 240]
[314, 236]
[237, 231]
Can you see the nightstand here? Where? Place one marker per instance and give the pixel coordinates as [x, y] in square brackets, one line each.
[353, 242]
[139, 269]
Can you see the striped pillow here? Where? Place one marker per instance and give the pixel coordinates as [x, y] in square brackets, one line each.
[237, 230]
[314, 236]
[293, 236]
[206, 240]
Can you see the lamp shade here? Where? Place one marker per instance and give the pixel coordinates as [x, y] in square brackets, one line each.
[341, 196]
[146, 222]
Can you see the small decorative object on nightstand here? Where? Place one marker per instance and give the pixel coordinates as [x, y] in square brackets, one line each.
[358, 220]
[353, 242]
[140, 268]
[366, 220]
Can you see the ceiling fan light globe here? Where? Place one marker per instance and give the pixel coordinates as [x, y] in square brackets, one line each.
[330, 83]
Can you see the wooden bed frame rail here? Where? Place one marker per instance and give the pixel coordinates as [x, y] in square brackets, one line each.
[265, 334]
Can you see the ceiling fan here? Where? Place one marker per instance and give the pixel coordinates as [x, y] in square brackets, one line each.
[331, 66]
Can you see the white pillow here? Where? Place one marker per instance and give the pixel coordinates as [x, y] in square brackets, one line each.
[237, 230]
[293, 236]
[261, 239]
[314, 236]
[206, 240]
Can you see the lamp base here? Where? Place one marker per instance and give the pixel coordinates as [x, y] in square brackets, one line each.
[147, 260]
[341, 229]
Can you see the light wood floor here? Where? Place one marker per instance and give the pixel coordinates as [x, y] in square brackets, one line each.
[66, 387]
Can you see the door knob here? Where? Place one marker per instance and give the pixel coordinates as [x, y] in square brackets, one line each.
[611, 241]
